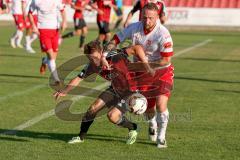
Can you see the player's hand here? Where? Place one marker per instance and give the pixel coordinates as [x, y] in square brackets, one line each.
[105, 64]
[59, 94]
[35, 30]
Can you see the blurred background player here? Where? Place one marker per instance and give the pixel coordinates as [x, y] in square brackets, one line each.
[103, 8]
[158, 47]
[139, 6]
[16, 8]
[48, 30]
[119, 13]
[79, 22]
[30, 36]
[3, 7]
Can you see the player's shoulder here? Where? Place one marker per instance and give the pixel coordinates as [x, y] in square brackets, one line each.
[135, 25]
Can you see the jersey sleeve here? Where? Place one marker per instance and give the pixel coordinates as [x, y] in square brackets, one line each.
[166, 45]
[126, 33]
[86, 71]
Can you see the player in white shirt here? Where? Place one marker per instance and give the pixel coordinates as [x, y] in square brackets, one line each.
[48, 30]
[29, 37]
[157, 43]
[16, 9]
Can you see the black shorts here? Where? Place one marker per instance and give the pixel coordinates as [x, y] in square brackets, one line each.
[79, 23]
[111, 99]
[103, 27]
[119, 12]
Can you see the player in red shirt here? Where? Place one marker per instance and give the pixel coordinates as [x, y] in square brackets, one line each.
[3, 7]
[139, 6]
[112, 96]
[103, 8]
[79, 22]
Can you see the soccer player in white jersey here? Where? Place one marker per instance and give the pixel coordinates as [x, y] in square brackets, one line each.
[16, 9]
[48, 30]
[29, 37]
[158, 46]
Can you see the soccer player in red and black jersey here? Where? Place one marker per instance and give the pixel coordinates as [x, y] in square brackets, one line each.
[103, 8]
[139, 6]
[112, 96]
[79, 22]
[3, 7]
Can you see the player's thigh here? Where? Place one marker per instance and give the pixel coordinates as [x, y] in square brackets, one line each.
[161, 103]
[96, 106]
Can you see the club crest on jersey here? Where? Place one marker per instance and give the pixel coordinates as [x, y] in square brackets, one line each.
[149, 43]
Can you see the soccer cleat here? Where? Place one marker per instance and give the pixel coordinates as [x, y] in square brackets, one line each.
[75, 140]
[12, 43]
[132, 137]
[152, 134]
[19, 45]
[43, 67]
[30, 50]
[161, 143]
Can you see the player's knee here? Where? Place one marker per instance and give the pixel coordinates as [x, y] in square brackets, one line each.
[113, 117]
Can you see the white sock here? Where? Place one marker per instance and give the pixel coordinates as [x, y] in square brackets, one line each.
[52, 69]
[153, 122]
[19, 36]
[28, 44]
[33, 37]
[162, 120]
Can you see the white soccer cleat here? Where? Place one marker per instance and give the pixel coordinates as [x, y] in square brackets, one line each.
[12, 43]
[152, 134]
[161, 143]
[19, 45]
[75, 140]
[132, 137]
[30, 50]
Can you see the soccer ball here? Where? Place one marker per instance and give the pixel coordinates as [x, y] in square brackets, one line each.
[137, 103]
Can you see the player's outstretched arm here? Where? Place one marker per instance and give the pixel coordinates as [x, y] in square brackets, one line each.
[138, 51]
[71, 85]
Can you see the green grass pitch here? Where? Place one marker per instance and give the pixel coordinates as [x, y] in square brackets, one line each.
[204, 107]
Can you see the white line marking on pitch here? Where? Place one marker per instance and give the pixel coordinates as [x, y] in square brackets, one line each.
[23, 92]
[192, 48]
[50, 113]
[46, 115]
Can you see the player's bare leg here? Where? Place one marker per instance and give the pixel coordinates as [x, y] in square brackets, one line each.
[82, 37]
[162, 120]
[28, 41]
[16, 39]
[116, 117]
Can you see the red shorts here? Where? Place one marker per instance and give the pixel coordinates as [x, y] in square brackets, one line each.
[27, 21]
[19, 21]
[153, 86]
[49, 39]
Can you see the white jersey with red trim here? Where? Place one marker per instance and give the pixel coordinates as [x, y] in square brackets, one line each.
[27, 4]
[157, 43]
[48, 12]
[16, 7]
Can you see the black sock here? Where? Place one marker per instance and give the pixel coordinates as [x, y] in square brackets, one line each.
[68, 35]
[82, 39]
[84, 128]
[117, 24]
[127, 124]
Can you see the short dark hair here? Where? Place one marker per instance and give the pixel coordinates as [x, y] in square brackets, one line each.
[92, 46]
[150, 6]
